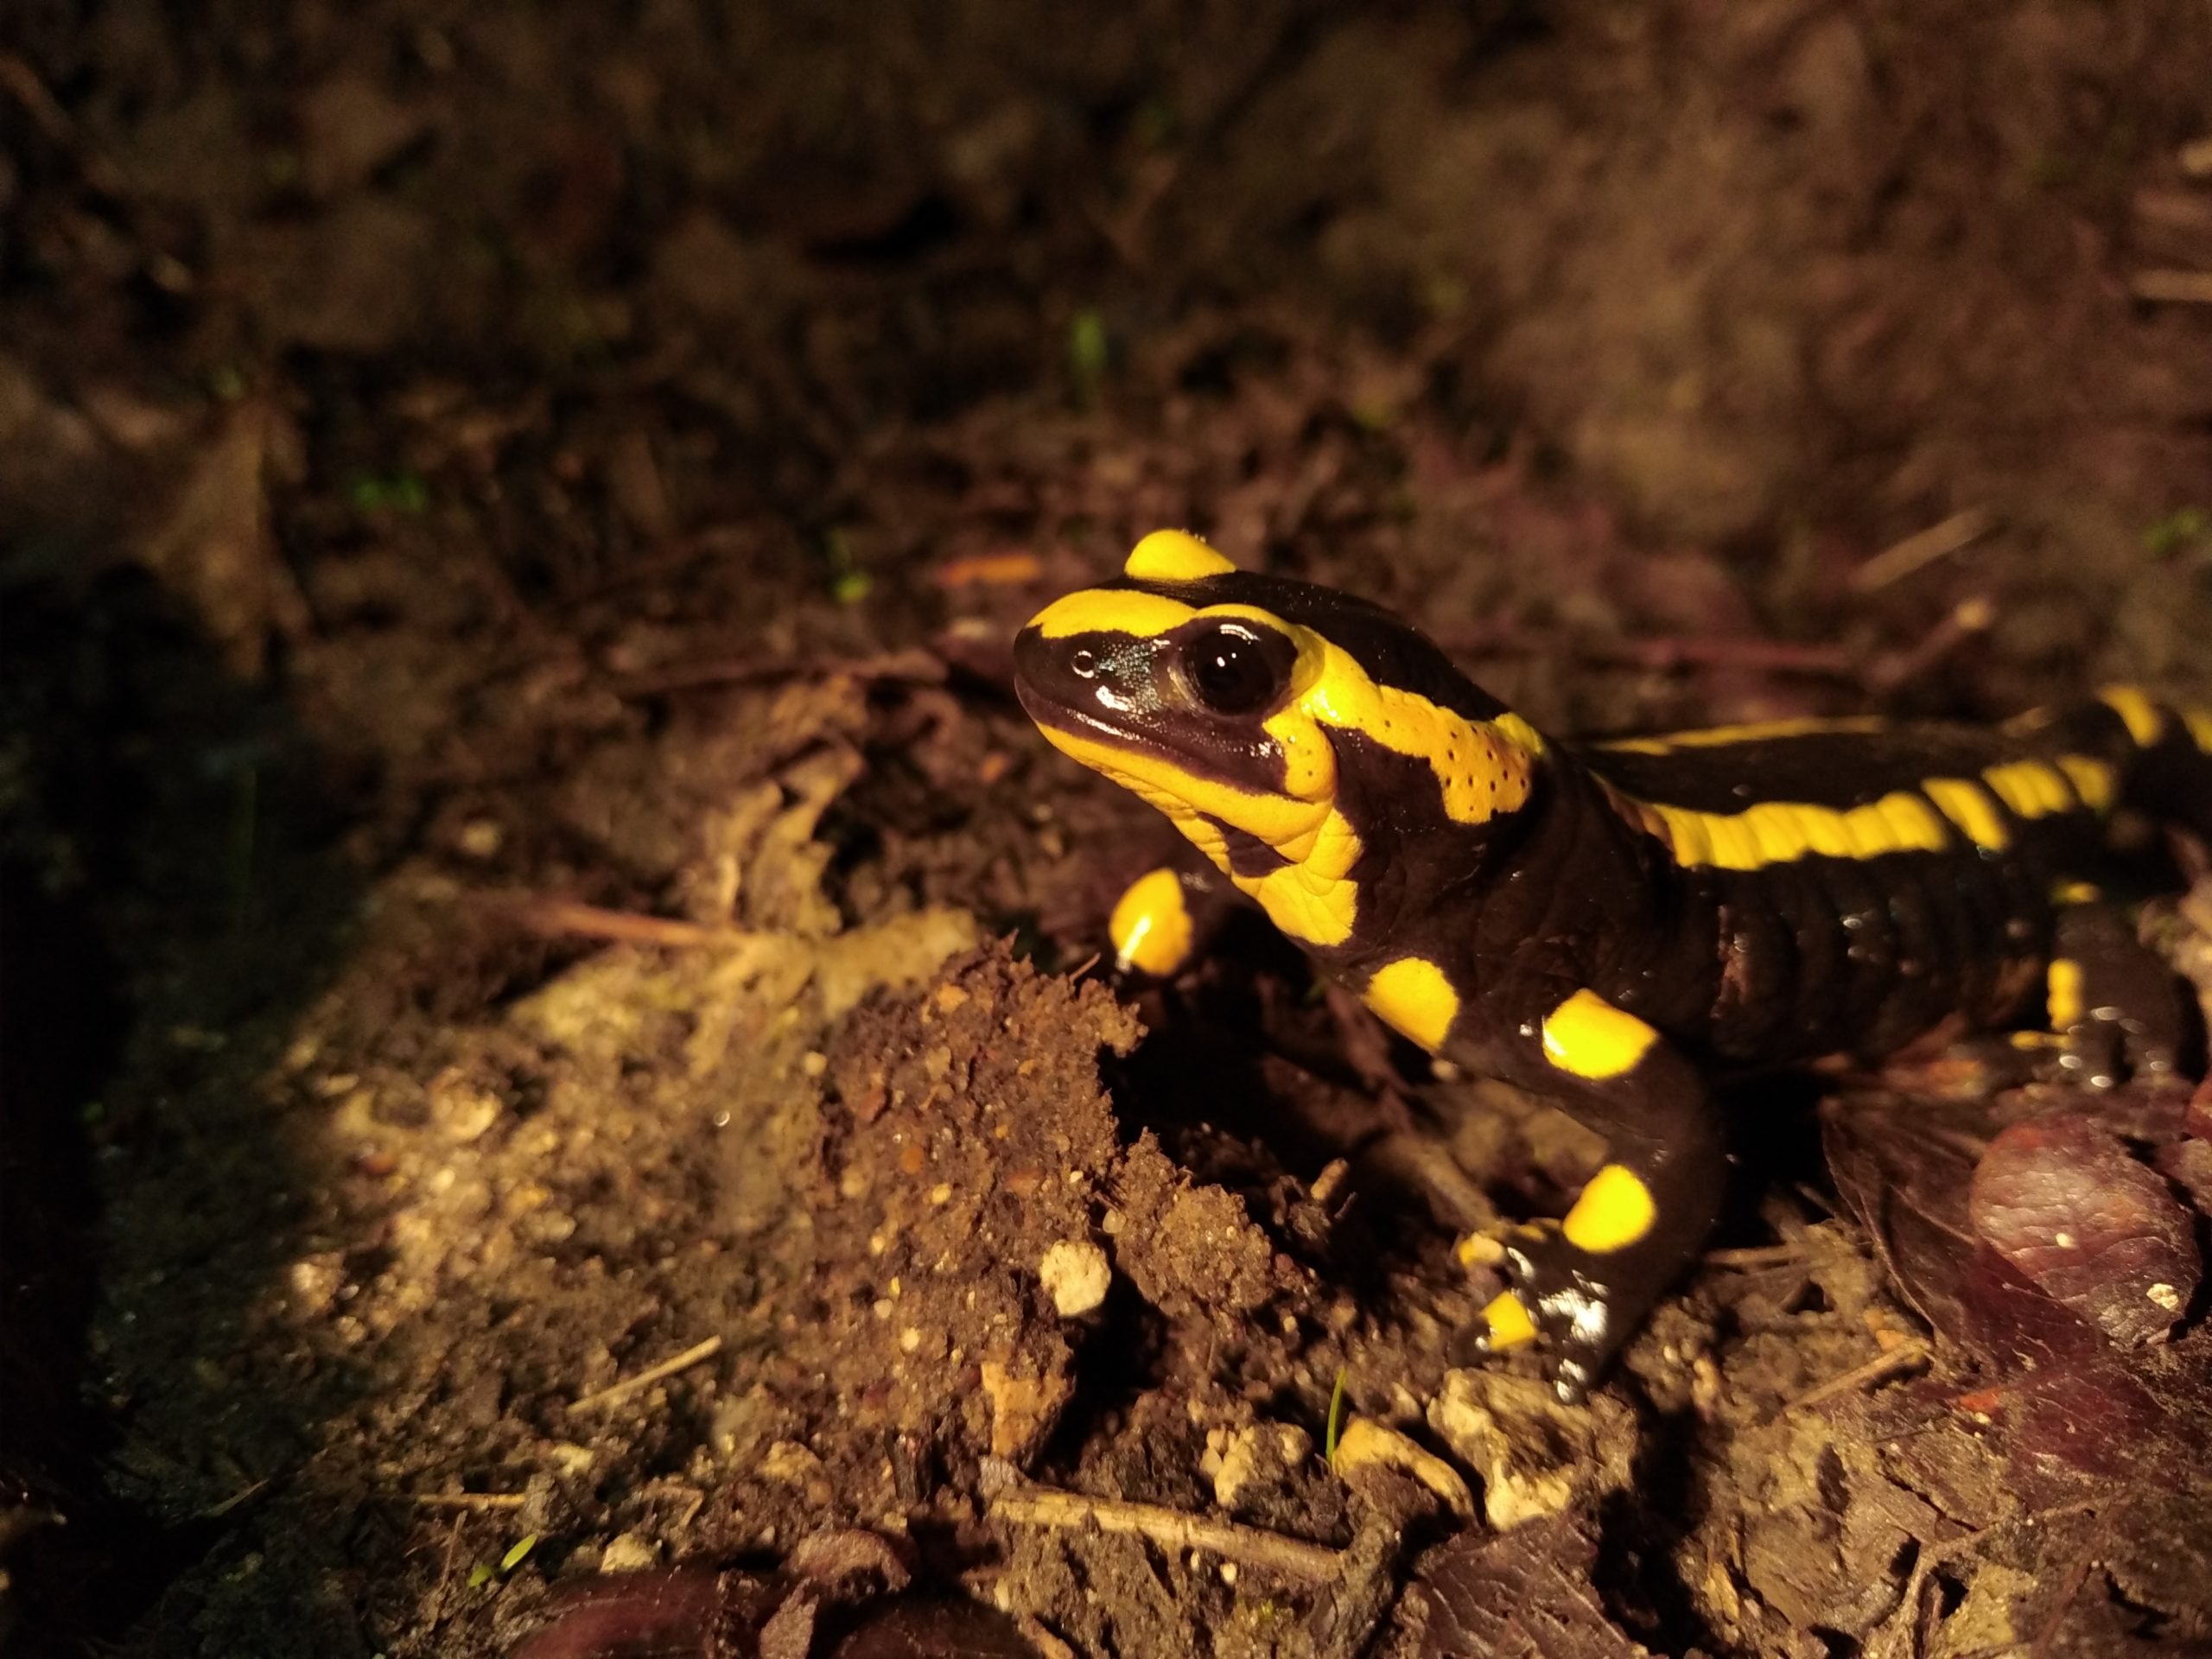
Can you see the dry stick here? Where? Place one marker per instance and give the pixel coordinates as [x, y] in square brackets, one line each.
[1758, 1256]
[2173, 287]
[468, 1500]
[646, 1378]
[1911, 1352]
[1960, 529]
[564, 915]
[1170, 1528]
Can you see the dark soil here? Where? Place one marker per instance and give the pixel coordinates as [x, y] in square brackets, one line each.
[518, 862]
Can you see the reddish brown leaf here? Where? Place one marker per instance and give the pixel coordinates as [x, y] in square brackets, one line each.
[2061, 1198]
[1519, 1596]
[919, 1627]
[684, 1613]
[1904, 1167]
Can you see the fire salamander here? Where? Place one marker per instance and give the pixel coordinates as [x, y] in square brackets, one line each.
[1604, 923]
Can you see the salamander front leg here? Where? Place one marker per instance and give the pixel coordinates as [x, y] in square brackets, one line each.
[1584, 1285]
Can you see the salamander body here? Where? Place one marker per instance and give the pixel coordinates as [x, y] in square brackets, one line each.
[1607, 922]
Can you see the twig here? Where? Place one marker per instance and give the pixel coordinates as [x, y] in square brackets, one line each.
[1923, 548]
[1757, 1256]
[1913, 1351]
[468, 1500]
[557, 917]
[2173, 287]
[1967, 620]
[445, 1573]
[1247, 1546]
[652, 1374]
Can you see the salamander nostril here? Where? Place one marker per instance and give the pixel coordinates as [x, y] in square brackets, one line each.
[1083, 665]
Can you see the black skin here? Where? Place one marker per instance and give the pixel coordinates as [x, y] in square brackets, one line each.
[1734, 968]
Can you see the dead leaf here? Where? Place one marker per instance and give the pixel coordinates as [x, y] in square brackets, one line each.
[2063, 1201]
[1524, 1596]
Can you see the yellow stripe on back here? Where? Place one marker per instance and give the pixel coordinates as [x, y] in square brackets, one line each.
[2145, 721]
[1761, 731]
[1781, 832]
[2032, 789]
[1967, 805]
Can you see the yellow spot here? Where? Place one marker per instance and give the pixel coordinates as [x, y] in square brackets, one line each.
[1151, 924]
[1714, 737]
[1615, 1211]
[1412, 995]
[2145, 721]
[2093, 781]
[1174, 556]
[1967, 805]
[2064, 982]
[2199, 720]
[1588, 1036]
[2075, 893]
[1509, 1326]
[2031, 788]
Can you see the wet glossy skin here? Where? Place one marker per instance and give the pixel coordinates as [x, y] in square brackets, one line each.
[1598, 922]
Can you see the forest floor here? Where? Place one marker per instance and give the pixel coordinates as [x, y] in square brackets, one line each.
[548, 1020]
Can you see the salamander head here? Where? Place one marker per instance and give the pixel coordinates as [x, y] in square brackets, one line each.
[1271, 721]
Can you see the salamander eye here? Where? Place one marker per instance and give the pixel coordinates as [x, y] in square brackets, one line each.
[1236, 669]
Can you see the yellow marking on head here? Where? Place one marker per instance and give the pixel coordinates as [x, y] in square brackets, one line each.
[1779, 832]
[1482, 767]
[1151, 924]
[1615, 1210]
[2199, 722]
[2144, 720]
[1411, 996]
[2063, 993]
[2033, 789]
[1967, 805]
[1757, 731]
[1508, 1323]
[1589, 1037]
[1174, 556]
[1111, 610]
[2094, 780]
